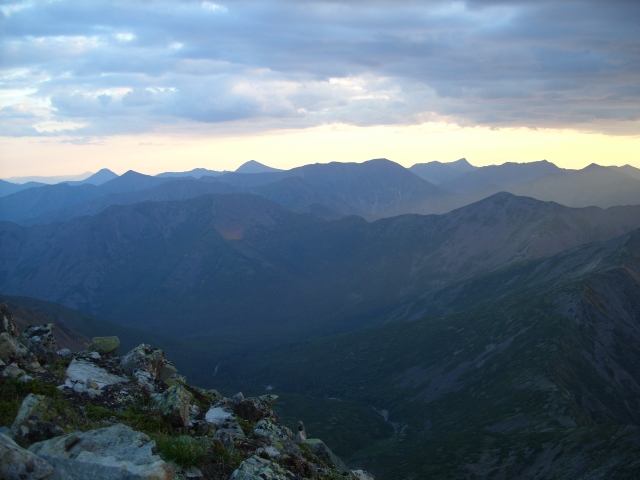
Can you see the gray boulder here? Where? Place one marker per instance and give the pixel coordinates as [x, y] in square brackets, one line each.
[226, 426]
[104, 345]
[36, 421]
[16, 463]
[40, 341]
[12, 371]
[145, 358]
[80, 370]
[168, 371]
[66, 469]
[256, 468]
[116, 452]
[218, 416]
[228, 432]
[8, 347]
[280, 437]
[255, 409]
[173, 403]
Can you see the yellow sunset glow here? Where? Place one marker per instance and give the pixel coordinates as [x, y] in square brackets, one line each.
[407, 145]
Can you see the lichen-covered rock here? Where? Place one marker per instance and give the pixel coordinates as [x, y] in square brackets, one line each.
[176, 379]
[320, 449]
[37, 420]
[145, 380]
[145, 358]
[168, 371]
[173, 403]
[8, 347]
[16, 463]
[255, 409]
[256, 468]
[82, 369]
[40, 341]
[280, 437]
[118, 449]
[104, 345]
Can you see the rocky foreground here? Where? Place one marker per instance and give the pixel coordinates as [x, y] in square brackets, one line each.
[94, 414]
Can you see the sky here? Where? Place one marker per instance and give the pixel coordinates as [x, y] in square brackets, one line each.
[173, 85]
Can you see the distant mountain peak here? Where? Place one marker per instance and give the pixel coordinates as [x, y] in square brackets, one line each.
[255, 167]
[101, 176]
[462, 165]
[592, 167]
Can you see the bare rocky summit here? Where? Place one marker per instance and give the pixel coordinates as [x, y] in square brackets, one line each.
[94, 414]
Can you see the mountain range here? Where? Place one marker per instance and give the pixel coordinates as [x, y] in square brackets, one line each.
[464, 322]
[148, 263]
[374, 189]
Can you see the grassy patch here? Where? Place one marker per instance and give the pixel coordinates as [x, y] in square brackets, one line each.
[12, 392]
[246, 426]
[224, 457]
[183, 450]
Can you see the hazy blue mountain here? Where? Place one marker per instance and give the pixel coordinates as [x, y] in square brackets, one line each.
[26, 205]
[131, 181]
[98, 178]
[52, 180]
[628, 170]
[438, 172]
[373, 189]
[495, 178]
[7, 188]
[255, 167]
[533, 374]
[149, 263]
[593, 185]
[300, 196]
[175, 189]
[292, 193]
[195, 173]
[33, 202]
[249, 180]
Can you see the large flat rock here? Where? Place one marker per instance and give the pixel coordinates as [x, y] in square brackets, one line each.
[81, 370]
[117, 447]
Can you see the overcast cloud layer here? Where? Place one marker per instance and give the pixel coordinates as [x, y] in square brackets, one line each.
[97, 68]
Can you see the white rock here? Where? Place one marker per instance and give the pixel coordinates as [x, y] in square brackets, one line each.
[362, 475]
[218, 416]
[79, 387]
[80, 370]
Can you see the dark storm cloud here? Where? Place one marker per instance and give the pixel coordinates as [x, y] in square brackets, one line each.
[99, 68]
